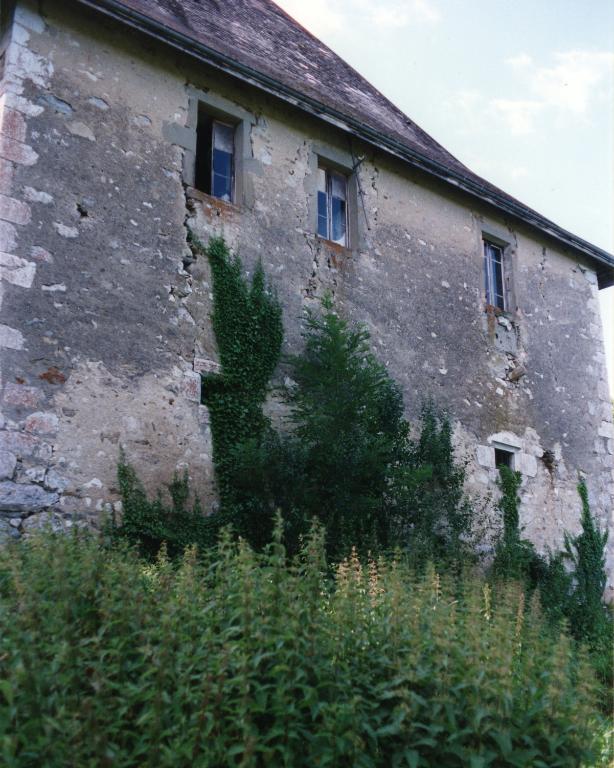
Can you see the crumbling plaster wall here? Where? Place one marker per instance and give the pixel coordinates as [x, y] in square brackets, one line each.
[107, 317]
[98, 346]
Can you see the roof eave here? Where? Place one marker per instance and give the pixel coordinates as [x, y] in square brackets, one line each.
[117, 10]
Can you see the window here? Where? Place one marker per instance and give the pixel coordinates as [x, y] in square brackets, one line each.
[332, 206]
[504, 458]
[493, 275]
[215, 157]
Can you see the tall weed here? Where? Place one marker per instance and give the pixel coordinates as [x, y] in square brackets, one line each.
[235, 659]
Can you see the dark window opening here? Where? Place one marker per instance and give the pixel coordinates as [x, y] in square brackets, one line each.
[504, 458]
[332, 206]
[2, 64]
[493, 275]
[215, 154]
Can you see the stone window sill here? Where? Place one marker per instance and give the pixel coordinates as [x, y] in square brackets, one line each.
[341, 250]
[222, 206]
[490, 309]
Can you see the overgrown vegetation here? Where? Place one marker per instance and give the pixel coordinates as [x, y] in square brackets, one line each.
[442, 525]
[571, 583]
[237, 658]
[579, 598]
[348, 459]
[150, 524]
[586, 553]
[345, 457]
[515, 557]
[249, 332]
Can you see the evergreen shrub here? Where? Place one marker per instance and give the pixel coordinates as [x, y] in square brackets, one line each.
[236, 659]
[571, 582]
[348, 460]
[579, 599]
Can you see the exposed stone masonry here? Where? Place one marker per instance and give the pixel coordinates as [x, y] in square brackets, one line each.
[29, 488]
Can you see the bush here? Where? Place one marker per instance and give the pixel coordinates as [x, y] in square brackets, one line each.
[571, 583]
[348, 434]
[348, 459]
[586, 611]
[439, 522]
[150, 523]
[238, 660]
[580, 599]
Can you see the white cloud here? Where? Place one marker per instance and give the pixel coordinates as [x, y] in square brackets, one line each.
[519, 172]
[571, 85]
[400, 14]
[316, 15]
[576, 78]
[322, 18]
[521, 61]
[518, 115]
[470, 102]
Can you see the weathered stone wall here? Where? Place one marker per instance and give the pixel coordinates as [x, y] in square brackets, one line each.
[106, 320]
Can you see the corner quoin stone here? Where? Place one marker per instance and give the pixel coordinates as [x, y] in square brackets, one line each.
[15, 497]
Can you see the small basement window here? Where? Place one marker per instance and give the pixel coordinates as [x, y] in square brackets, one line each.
[332, 206]
[493, 275]
[215, 157]
[504, 458]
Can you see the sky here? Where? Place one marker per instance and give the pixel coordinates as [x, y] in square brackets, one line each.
[521, 91]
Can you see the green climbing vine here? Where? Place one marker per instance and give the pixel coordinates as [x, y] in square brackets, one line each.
[515, 557]
[247, 322]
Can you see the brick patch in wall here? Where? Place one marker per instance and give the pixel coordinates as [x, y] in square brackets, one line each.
[191, 385]
[13, 125]
[203, 365]
[8, 237]
[42, 423]
[24, 445]
[22, 396]
[6, 176]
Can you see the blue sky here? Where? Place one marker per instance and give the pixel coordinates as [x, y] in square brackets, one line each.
[521, 91]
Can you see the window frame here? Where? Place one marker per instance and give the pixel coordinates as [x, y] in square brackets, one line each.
[491, 295]
[207, 122]
[216, 107]
[331, 172]
[509, 453]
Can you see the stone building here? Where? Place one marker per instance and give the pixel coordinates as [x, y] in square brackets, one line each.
[124, 122]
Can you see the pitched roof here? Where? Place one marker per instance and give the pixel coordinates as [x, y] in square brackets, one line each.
[258, 42]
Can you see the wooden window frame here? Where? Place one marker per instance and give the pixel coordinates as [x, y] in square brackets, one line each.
[205, 148]
[329, 174]
[493, 298]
